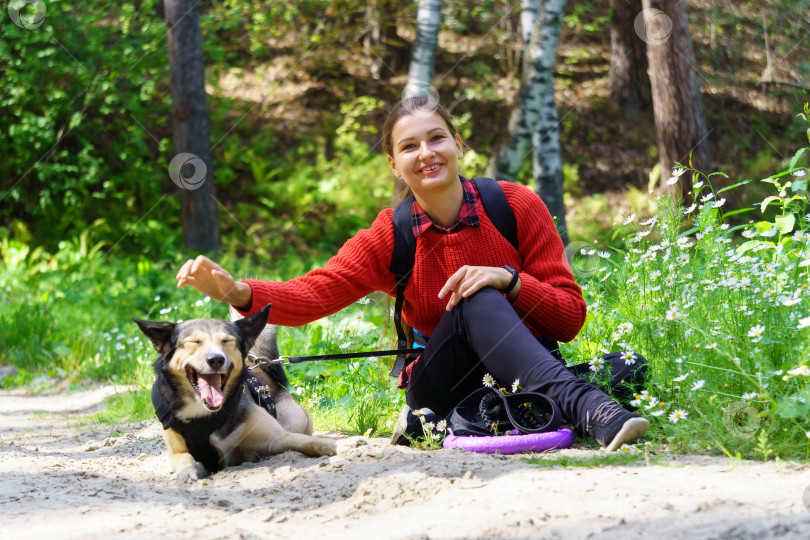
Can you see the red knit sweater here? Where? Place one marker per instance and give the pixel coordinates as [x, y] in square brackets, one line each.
[550, 302]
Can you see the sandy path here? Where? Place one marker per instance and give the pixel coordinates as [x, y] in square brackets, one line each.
[62, 474]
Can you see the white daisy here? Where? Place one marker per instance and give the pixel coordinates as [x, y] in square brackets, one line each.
[625, 327]
[596, 364]
[756, 333]
[698, 385]
[801, 370]
[651, 221]
[489, 380]
[676, 415]
[676, 175]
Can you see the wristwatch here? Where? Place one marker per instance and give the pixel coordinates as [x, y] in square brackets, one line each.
[515, 277]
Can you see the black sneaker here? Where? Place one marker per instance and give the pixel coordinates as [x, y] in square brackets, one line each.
[614, 426]
[409, 425]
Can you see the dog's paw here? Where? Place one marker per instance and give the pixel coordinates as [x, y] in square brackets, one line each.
[190, 474]
[350, 442]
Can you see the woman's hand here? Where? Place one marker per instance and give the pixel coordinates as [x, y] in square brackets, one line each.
[212, 280]
[470, 279]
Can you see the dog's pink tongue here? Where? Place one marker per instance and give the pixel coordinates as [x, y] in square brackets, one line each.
[210, 390]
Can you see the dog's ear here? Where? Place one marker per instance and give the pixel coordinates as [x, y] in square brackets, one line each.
[252, 326]
[159, 333]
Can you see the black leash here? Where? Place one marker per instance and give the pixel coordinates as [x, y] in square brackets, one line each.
[287, 360]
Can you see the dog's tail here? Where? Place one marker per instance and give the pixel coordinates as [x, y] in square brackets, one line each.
[265, 347]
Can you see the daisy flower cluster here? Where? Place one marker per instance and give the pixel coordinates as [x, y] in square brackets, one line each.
[719, 307]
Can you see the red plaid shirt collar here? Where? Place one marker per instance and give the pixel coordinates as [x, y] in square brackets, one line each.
[420, 222]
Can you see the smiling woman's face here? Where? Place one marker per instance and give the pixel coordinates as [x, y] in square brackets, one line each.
[425, 152]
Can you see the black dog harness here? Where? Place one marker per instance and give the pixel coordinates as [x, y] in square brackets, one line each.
[197, 432]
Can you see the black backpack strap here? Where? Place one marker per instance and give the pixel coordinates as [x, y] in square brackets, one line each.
[401, 266]
[497, 208]
[499, 212]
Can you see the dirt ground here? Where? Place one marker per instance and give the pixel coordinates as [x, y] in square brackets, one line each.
[62, 474]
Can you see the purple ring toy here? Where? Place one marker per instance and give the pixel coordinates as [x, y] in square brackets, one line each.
[512, 443]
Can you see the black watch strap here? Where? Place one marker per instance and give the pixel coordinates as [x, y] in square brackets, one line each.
[515, 277]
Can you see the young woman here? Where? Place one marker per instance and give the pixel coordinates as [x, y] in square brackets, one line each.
[482, 304]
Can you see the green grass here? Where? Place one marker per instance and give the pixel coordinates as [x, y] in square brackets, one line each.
[613, 459]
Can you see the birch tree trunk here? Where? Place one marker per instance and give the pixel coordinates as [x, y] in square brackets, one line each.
[679, 122]
[537, 127]
[629, 81]
[423, 56]
[547, 161]
[538, 66]
[192, 169]
[512, 151]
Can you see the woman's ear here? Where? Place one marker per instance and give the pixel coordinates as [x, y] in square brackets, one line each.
[459, 145]
[394, 167]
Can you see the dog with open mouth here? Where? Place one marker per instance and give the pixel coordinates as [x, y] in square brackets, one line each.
[204, 396]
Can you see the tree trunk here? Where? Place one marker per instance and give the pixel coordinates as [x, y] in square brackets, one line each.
[423, 56]
[547, 162]
[381, 30]
[512, 151]
[536, 124]
[538, 69]
[679, 122]
[192, 169]
[629, 81]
